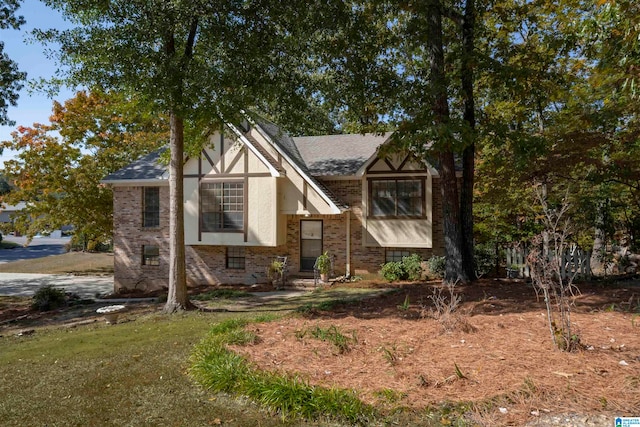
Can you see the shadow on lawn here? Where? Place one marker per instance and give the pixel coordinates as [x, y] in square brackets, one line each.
[483, 297]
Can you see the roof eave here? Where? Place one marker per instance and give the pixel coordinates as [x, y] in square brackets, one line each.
[131, 182]
[335, 209]
[273, 171]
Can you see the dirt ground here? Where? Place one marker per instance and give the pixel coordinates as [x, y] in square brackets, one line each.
[507, 365]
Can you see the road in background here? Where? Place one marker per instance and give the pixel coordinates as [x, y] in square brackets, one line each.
[38, 248]
[19, 284]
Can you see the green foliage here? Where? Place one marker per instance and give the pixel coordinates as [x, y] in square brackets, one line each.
[412, 265]
[393, 271]
[218, 369]
[405, 304]
[323, 263]
[334, 336]
[5, 187]
[485, 258]
[410, 268]
[59, 166]
[436, 265]
[12, 78]
[274, 271]
[220, 293]
[48, 298]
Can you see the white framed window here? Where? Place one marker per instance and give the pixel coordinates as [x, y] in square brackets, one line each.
[222, 206]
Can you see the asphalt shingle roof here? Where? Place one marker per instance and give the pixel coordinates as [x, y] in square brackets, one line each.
[314, 156]
[337, 155]
[148, 167]
[288, 146]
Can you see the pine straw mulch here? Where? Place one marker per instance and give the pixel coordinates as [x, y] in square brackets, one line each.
[501, 346]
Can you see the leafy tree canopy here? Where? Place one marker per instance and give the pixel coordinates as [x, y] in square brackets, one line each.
[11, 80]
[59, 166]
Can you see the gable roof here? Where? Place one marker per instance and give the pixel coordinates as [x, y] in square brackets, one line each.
[312, 156]
[286, 146]
[338, 155]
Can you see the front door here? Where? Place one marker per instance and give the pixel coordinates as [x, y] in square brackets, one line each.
[310, 243]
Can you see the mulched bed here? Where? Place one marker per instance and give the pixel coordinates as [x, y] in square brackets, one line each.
[501, 346]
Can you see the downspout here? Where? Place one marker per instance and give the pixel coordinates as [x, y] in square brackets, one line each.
[348, 268]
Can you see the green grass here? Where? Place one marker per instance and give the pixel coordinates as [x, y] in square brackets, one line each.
[221, 370]
[71, 262]
[129, 374]
[334, 336]
[222, 294]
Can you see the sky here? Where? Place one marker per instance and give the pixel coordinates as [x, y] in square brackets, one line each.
[33, 107]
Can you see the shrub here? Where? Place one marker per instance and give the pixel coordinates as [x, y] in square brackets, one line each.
[436, 266]
[48, 298]
[485, 258]
[393, 271]
[412, 266]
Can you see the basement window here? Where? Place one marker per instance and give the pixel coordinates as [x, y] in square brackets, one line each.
[395, 255]
[150, 255]
[235, 258]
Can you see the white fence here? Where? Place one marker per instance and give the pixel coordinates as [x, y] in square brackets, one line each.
[575, 261]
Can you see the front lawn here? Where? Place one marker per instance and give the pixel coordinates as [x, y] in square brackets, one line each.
[129, 374]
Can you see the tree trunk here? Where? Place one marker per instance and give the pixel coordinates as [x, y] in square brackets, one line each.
[449, 187]
[177, 298]
[468, 155]
[454, 270]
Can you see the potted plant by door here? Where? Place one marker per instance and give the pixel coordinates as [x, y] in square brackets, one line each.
[323, 264]
[274, 272]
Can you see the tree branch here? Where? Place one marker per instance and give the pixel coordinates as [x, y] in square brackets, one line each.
[191, 40]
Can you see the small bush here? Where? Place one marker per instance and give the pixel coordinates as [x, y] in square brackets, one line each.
[436, 266]
[485, 258]
[48, 298]
[412, 266]
[393, 271]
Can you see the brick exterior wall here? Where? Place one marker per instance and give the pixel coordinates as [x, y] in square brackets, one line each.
[207, 264]
[368, 259]
[129, 236]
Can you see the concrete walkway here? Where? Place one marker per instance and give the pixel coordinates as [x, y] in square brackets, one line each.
[19, 284]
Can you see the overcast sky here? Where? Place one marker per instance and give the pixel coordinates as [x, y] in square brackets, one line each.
[33, 107]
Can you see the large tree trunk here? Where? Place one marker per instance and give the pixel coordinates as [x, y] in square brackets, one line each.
[449, 187]
[468, 155]
[454, 270]
[177, 298]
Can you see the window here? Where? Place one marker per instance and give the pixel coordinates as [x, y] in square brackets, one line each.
[395, 255]
[396, 197]
[235, 258]
[151, 207]
[222, 206]
[150, 255]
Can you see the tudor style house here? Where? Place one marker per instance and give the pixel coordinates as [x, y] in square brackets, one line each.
[256, 193]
